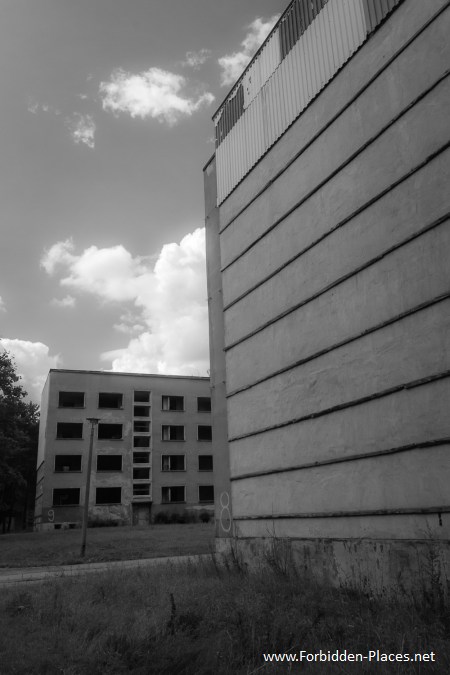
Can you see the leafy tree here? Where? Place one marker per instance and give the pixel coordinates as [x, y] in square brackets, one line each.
[19, 427]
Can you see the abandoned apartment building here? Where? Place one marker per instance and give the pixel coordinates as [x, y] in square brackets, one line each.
[153, 449]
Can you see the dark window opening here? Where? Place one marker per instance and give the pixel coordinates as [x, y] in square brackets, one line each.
[71, 399]
[141, 489]
[141, 441]
[69, 430]
[206, 494]
[204, 433]
[109, 495]
[173, 402]
[66, 496]
[173, 494]
[205, 463]
[141, 411]
[67, 462]
[107, 400]
[141, 458]
[142, 396]
[110, 432]
[141, 427]
[203, 404]
[173, 463]
[141, 474]
[109, 462]
[171, 432]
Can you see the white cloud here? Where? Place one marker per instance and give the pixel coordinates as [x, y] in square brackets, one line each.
[196, 59]
[154, 93]
[2, 305]
[34, 107]
[33, 363]
[82, 129]
[233, 64]
[67, 301]
[169, 317]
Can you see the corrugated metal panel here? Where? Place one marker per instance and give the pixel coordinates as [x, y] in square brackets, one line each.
[287, 87]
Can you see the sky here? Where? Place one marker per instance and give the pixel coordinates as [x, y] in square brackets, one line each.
[105, 126]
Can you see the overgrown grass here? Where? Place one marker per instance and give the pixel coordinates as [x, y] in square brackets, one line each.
[62, 547]
[206, 620]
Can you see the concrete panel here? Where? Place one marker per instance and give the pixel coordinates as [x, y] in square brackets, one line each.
[408, 416]
[420, 199]
[388, 39]
[416, 347]
[403, 145]
[406, 278]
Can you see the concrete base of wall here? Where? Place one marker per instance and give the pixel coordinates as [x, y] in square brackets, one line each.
[378, 567]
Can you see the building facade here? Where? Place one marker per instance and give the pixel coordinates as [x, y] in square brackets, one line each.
[328, 242]
[152, 449]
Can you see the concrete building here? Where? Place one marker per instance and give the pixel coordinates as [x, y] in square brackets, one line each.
[328, 245]
[153, 448]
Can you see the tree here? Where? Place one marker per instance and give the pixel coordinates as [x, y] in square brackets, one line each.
[19, 427]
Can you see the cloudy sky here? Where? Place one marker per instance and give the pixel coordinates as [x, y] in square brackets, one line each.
[105, 125]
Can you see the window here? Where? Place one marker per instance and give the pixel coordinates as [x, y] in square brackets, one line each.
[141, 489]
[109, 432]
[173, 463]
[71, 399]
[203, 404]
[141, 442]
[206, 494]
[141, 411]
[141, 427]
[142, 396]
[141, 458]
[69, 430]
[67, 462]
[66, 496]
[141, 474]
[108, 495]
[171, 432]
[173, 402]
[204, 433]
[109, 462]
[172, 495]
[107, 400]
[205, 463]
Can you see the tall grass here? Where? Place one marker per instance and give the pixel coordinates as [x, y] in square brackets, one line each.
[204, 619]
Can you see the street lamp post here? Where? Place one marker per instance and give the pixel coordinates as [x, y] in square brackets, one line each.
[93, 422]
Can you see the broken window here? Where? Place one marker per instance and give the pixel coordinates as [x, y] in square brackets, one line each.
[107, 400]
[141, 474]
[141, 426]
[141, 411]
[141, 458]
[141, 489]
[109, 432]
[109, 462]
[173, 402]
[206, 494]
[173, 494]
[66, 496]
[69, 430]
[67, 462]
[141, 441]
[142, 396]
[71, 399]
[173, 463]
[203, 404]
[108, 495]
[204, 433]
[171, 432]
[205, 463]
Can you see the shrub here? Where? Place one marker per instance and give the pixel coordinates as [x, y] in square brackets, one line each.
[204, 516]
[161, 518]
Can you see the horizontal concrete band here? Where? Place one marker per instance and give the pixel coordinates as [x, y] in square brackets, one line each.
[346, 341]
[347, 458]
[331, 121]
[349, 404]
[348, 514]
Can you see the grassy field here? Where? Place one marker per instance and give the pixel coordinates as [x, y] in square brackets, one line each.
[206, 620]
[62, 547]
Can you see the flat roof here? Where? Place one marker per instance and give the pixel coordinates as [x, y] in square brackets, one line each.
[114, 373]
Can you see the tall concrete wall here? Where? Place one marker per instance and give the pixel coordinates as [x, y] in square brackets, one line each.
[336, 291]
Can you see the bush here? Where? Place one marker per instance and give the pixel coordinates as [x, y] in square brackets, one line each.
[161, 518]
[204, 516]
[100, 522]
